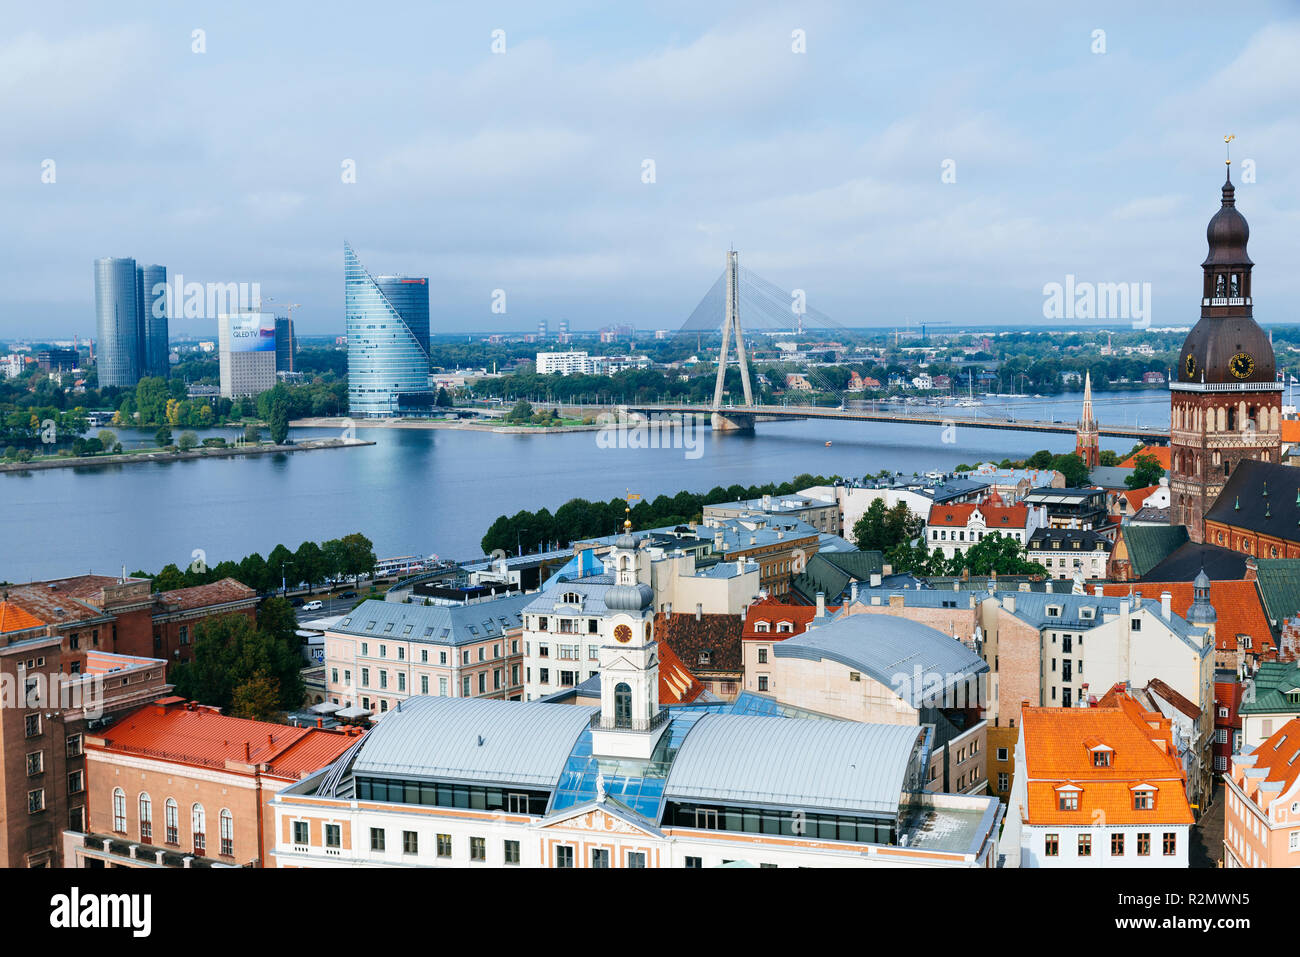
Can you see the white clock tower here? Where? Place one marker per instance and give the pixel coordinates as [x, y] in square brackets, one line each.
[630, 717]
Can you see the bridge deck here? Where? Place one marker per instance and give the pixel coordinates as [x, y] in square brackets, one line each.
[772, 412]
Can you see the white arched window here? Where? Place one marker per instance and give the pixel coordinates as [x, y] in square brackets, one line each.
[198, 823]
[171, 814]
[146, 818]
[119, 811]
[227, 833]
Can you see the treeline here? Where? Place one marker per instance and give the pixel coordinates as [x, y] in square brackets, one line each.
[311, 564]
[579, 519]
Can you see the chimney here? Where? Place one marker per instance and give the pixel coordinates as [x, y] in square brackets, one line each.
[1252, 568]
[896, 601]
[699, 611]
[853, 593]
[320, 723]
[1009, 603]
[875, 579]
[247, 752]
[821, 604]
[1166, 607]
[1098, 591]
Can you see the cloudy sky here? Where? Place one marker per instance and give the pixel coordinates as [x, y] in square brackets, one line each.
[523, 170]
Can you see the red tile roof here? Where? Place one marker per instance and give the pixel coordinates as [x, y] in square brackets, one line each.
[221, 592]
[186, 733]
[1059, 748]
[1159, 452]
[676, 684]
[1279, 755]
[13, 618]
[995, 516]
[1137, 496]
[1237, 604]
[774, 612]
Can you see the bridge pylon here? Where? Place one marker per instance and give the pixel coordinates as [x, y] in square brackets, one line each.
[731, 326]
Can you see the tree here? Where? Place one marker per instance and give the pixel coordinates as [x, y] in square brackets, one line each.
[1147, 471]
[230, 652]
[188, 440]
[358, 555]
[1108, 457]
[107, 438]
[169, 579]
[522, 412]
[279, 564]
[254, 573]
[1072, 467]
[276, 618]
[163, 437]
[252, 433]
[443, 400]
[309, 564]
[999, 553]
[257, 699]
[279, 415]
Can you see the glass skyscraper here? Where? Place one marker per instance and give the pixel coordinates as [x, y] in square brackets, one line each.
[388, 340]
[153, 321]
[117, 319]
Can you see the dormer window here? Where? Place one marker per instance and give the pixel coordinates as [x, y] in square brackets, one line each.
[1053, 611]
[1101, 758]
[783, 627]
[706, 657]
[1067, 799]
[1144, 799]
[761, 627]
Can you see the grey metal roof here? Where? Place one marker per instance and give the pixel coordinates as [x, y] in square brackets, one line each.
[1032, 607]
[435, 624]
[889, 649]
[591, 589]
[473, 739]
[794, 762]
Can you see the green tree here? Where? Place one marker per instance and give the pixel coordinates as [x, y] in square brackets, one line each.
[258, 698]
[107, 438]
[1107, 457]
[279, 415]
[996, 552]
[1072, 467]
[276, 618]
[252, 433]
[169, 579]
[443, 400]
[358, 555]
[254, 573]
[187, 441]
[163, 437]
[522, 412]
[229, 652]
[279, 565]
[1147, 471]
[309, 564]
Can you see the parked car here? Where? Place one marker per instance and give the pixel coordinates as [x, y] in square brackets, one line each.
[348, 594]
[298, 602]
[313, 606]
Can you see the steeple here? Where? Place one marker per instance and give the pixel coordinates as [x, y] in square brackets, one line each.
[1087, 439]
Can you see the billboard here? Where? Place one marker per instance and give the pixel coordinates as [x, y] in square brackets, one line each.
[252, 332]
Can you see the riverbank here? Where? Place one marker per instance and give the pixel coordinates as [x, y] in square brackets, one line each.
[454, 425]
[131, 458]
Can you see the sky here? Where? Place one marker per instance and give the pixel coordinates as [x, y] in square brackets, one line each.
[525, 170]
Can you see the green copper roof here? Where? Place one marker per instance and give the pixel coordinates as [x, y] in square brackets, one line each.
[1149, 545]
[1276, 690]
[1279, 586]
[831, 572]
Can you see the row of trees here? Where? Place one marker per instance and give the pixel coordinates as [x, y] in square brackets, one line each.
[310, 564]
[579, 518]
[994, 553]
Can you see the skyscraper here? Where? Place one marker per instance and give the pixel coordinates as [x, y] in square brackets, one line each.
[117, 320]
[153, 321]
[284, 345]
[388, 340]
[247, 353]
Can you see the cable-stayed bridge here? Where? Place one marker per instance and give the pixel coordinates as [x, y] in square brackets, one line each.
[766, 306]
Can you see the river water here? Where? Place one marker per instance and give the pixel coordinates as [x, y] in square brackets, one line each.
[417, 492]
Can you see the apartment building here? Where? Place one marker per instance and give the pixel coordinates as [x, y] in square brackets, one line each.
[383, 652]
[953, 529]
[1261, 824]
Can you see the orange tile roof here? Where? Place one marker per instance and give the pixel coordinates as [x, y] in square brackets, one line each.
[13, 618]
[1160, 453]
[1237, 603]
[186, 733]
[1290, 430]
[995, 516]
[1136, 496]
[1279, 755]
[1058, 753]
[772, 611]
[676, 684]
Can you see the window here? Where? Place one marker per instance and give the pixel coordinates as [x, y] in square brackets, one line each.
[599, 857]
[1101, 758]
[333, 836]
[32, 725]
[1068, 801]
[424, 684]
[198, 824]
[76, 782]
[444, 845]
[1170, 843]
[564, 856]
[226, 823]
[171, 819]
[119, 811]
[378, 838]
[1051, 845]
[1135, 624]
[146, 818]
[73, 745]
[1117, 845]
[512, 852]
[1004, 781]
[1144, 844]
[478, 849]
[410, 842]
[1085, 845]
[1143, 800]
[636, 858]
[35, 763]
[762, 656]
[694, 862]
[1002, 754]
[36, 801]
[762, 682]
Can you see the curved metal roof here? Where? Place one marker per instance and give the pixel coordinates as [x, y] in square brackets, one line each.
[473, 739]
[750, 759]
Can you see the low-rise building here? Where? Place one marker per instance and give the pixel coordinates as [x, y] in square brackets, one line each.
[1269, 700]
[176, 780]
[952, 529]
[1069, 553]
[1097, 787]
[1070, 507]
[1261, 823]
[821, 514]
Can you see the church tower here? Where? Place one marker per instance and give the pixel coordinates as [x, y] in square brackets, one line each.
[630, 720]
[1087, 439]
[1225, 403]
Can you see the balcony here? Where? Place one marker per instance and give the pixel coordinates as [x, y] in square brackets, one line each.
[660, 718]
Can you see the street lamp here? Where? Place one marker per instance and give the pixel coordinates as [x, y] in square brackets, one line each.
[284, 583]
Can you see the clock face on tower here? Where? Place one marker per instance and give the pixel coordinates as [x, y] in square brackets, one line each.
[1241, 365]
[622, 634]
[1190, 366]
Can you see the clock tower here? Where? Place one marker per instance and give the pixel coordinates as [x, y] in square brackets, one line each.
[630, 719]
[1225, 404]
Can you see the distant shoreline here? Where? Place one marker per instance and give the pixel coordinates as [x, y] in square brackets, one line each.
[133, 458]
[338, 423]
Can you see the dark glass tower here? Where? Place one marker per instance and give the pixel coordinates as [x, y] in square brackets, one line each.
[388, 340]
[153, 321]
[117, 322]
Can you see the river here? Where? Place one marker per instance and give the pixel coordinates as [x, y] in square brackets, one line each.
[417, 492]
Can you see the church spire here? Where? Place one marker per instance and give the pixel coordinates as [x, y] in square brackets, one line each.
[1087, 438]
